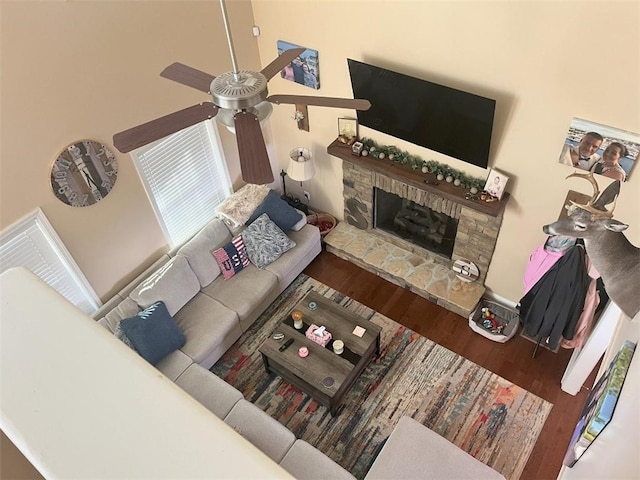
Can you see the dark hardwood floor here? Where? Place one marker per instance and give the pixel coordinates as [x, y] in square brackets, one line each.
[511, 360]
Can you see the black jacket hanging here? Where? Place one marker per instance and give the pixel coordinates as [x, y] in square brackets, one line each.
[552, 307]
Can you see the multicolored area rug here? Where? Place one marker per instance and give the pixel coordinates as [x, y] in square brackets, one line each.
[492, 419]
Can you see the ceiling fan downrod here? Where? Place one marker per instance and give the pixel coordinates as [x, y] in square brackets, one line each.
[232, 52]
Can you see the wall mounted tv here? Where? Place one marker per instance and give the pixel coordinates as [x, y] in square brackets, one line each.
[440, 118]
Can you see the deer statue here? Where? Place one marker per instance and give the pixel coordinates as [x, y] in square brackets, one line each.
[612, 255]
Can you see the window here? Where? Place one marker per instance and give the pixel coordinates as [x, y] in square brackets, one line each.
[32, 243]
[186, 178]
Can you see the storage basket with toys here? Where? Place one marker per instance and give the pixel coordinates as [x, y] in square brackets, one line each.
[493, 321]
[323, 221]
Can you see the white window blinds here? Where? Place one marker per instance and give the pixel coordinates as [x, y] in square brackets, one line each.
[186, 178]
[32, 243]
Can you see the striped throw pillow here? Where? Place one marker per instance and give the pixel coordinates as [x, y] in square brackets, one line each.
[232, 257]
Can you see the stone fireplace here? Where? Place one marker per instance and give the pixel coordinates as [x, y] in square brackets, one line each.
[417, 224]
[462, 229]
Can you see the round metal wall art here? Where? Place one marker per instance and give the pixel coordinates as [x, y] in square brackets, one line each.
[83, 173]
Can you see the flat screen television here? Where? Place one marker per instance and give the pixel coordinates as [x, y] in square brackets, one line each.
[434, 116]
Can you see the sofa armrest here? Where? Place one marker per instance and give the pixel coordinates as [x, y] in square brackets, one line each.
[413, 450]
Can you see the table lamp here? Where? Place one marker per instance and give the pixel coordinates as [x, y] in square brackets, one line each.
[300, 169]
[301, 166]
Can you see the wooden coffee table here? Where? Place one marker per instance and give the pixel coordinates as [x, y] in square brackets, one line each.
[323, 375]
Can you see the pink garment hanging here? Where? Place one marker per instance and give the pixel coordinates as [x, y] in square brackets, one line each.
[540, 262]
[591, 302]
[545, 257]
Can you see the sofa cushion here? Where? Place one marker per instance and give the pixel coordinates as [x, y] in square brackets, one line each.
[174, 364]
[279, 211]
[209, 326]
[232, 257]
[153, 333]
[265, 241]
[308, 245]
[143, 275]
[198, 250]
[174, 283]
[211, 391]
[245, 292]
[125, 309]
[305, 462]
[265, 432]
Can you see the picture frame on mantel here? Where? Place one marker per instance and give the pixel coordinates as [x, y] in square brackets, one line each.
[496, 183]
[347, 129]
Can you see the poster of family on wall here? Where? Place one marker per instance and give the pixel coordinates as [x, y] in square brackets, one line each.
[304, 69]
[604, 150]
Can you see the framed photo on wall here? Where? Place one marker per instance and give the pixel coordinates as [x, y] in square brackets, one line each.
[304, 69]
[601, 149]
[496, 183]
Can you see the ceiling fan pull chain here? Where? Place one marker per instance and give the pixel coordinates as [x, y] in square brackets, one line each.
[232, 51]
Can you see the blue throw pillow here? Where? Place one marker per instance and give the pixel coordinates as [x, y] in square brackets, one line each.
[153, 333]
[279, 211]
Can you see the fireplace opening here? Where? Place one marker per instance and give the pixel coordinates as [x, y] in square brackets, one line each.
[415, 223]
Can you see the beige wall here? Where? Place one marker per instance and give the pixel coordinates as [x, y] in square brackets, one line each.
[75, 70]
[544, 62]
[85, 70]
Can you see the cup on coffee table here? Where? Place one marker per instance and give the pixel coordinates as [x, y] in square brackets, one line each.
[338, 347]
[297, 319]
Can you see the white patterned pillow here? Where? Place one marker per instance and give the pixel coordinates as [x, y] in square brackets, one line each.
[265, 241]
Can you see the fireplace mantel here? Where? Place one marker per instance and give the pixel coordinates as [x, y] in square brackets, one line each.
[418, 179]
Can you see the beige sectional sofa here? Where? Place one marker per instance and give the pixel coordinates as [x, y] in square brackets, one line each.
[213, 312]
[299, 458]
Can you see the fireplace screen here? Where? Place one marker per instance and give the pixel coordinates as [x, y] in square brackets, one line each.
[415, 223]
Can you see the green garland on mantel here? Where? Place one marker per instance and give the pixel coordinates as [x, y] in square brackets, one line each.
[373, 150]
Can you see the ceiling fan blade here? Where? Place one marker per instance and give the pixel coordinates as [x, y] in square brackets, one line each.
[254, 160]
[188, 76]
[282, 61]
[161, 127]
[355, 103]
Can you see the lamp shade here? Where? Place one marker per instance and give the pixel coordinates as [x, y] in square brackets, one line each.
[300, 166]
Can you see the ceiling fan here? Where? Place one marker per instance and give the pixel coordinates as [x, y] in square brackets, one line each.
[239, 99]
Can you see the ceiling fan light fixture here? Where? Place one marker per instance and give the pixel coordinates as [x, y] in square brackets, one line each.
[264, 110]
[225, 117]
